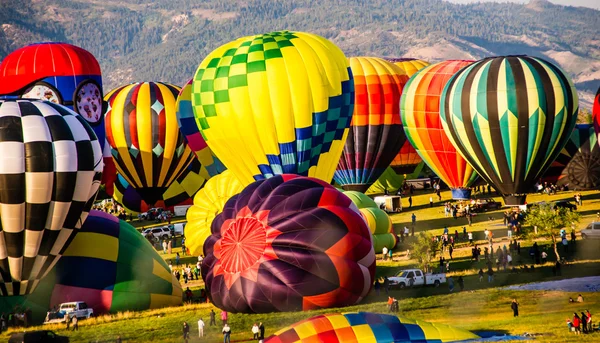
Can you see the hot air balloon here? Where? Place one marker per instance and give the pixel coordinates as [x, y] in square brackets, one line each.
[407, 159]
[275, 103]
[578, 164]
[58, 72]
[180, 192]
[510, 117]
[208, 203]
[288, 243]
[596, 113]
[376, 134]
[111, 267]
[409, 65]
[367, 327]
[360, 200]
[381, 228]
[420, 110]
[147, 147]
[50, 171]
[192, 135]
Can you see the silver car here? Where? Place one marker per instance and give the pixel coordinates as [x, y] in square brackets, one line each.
[592, 231]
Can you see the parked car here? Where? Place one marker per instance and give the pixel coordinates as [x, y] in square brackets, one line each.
[592, 231]
[404, 277]
[158, 233]
[66, 311]
[44, 336]
[151, 214]
[485, 205]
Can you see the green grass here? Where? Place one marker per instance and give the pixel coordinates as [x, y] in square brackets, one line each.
[481, 306]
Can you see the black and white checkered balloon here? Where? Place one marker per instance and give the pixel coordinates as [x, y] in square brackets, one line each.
[50, 171]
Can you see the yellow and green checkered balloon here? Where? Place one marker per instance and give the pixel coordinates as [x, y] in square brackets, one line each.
[275, 103]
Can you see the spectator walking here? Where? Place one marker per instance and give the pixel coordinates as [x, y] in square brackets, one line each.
[75, 323]
[409, 201]
[430, 201]
[384, 253]
[461, 283]
[490, 274]
[480, 275]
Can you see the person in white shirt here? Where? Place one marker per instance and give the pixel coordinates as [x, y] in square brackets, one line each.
[255, 331]
[486, 233]
[200, 328]
[384, 252]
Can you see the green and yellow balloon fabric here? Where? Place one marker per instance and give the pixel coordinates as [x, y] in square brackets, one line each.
[275, 103]
[510, 117]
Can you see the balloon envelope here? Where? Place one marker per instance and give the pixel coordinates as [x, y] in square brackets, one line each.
[510, 117]
[367, 327]
[376, 134]
[192, 135]
[420, 110]
[147, 147]
[208, 203]
[275, 103]
[50, 171]
[113, 268]
[288, 243]
[578, 164]
[58, 72]
[409, 65]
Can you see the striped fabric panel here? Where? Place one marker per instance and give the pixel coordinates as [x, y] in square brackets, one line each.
[510, 117]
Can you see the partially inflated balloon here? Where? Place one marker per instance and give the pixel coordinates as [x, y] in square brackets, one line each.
[288, 243]
[111, 267]
[191, 133]
[360, 199]
[510, 117]
[424, 129]
[208, 203]
[376, 134]
[141, 125]
[50, 171]
[381, 228]
[409, 65]
[275, 103]
[578, 164]
[366, 327]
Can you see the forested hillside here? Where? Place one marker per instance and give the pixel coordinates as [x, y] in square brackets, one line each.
[166, 39]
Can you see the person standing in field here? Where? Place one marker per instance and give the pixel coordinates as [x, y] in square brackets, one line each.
[212, 318]
[226, 333]
[200, 328]
[186, 332]
[515, 307]
[255, 332]
[261, 330]
[224, 317]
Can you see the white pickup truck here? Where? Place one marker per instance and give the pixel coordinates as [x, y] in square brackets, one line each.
[66, 311]
[416, 277]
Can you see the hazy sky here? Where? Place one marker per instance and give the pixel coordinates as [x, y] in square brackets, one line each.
[587, 3]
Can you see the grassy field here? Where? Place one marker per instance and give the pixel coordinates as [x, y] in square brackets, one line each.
[482, 306]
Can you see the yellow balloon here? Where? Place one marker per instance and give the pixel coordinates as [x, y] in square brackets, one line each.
[275, 103]
[208, 203]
